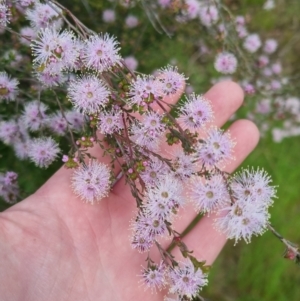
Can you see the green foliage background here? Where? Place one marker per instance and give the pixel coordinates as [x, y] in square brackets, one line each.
[244, 272]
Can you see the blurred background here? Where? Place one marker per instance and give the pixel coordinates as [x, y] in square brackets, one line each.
[152, 36]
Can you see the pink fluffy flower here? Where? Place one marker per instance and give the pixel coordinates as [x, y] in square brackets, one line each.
[291, 105]
[58, 124]
[88, 94]
[9, 189]
[241, 31]
[109, 16]
[154, 170]
[248, 88]
[263, 106]
[276, 68]
[183, 164]
[153, 276]
[101, 52]
[4, 14]
[9, 131]
[248, 215]
[275, 85]
[164, 3]
[8, 87]
[270, 46]
[43, 151]
[172, 80]
[267, 72]
[216, 149]
[163, 199]
[49, 77]
[189, 90]
[145, 136]
[196, 112]
[142, 242]
[240, 20]
[29, 33]
[253, 186]
[193, 7]
[240, 26]
[14, 58]
[159, 208]
[151, 121]
[208, 195]
[151, 226]
[10, 178]
[131, 62]
[75, 120]
[144, 89]
[242, 220]
[269, 5]
[278, 134]
[110, 121]
[91, 182]
[22, 146]
[131, 21]
[222, 29]
[34, 115]
[252, 43]
[43, 15]
[26, 3]
[208, 15]
[57, 49]
[186, 280]
[263, 61]
[226, 63]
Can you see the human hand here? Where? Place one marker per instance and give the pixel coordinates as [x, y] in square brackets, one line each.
[54, 247]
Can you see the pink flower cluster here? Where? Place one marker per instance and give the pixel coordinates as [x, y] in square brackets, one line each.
[9, 189]
[91, 182]
[128, 115]
[8, 87]
[5, 14]
[226, 63]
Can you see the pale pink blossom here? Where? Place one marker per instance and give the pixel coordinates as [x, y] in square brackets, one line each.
[131, 21]
[252, 43]
[172, 81]
[193, 8]
[88, 94]
[209, 15]
[131, 62]
[44, 15]
[226, 63]
[29, 33]
[270, 46]
[101, 52]
[263, 61]
[187, 280]
[164, 3]
[153, 276]
[34, 115]
[109, 16]
[276, 68]
[91, 182]
[5, 14]
[43, 151]
[8, 87]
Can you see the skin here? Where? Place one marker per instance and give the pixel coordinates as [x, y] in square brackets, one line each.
[55, 247]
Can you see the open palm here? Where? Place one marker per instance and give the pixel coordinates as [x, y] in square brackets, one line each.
[54, 247]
